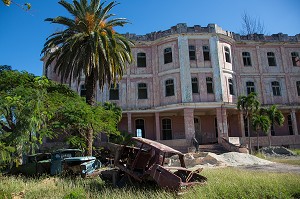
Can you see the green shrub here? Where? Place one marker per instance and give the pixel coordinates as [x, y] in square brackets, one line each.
[77, 193]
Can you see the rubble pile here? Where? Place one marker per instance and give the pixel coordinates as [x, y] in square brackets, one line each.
[277, 151]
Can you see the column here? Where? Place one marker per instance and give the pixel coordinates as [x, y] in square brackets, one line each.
[185, 70]
[242, 124]
[129, 123]
[222, 123]
[189, 126]
[294, 122]
[157, 126]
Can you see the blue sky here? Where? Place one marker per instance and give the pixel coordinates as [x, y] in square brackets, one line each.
[22, 34]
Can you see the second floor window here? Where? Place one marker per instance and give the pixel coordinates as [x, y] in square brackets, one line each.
[141, 60]
[169, 87]
[82, 90]
[227, 54]
[167, 55]
[295, 58]
[206, 55]
[246, 59]
[114, 92]
[250, 87]
[195, 85]
[298, 87]
[230, 84]
[142, 91]
[276, 88]
[209, 85]
[271, 59]
[192, 52]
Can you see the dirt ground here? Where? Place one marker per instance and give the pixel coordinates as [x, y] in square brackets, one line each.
[274, 167]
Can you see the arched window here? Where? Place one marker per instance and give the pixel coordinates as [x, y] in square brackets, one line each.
[82, 90]
[298, 87]
[246, 59]
[250, 87]
[295, 58]
[167, 55]
[142, 91]
[141, 60]
[271, 59]
[166, 129]
[140, 128]
[227, 54]
[169, 87]
[276, 88]
[230, 84]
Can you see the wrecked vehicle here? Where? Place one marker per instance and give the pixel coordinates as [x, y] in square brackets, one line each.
[146, 162]
[63, 161]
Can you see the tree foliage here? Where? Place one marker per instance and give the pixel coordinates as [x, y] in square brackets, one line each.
[26, 6]
[89, 30]
[260, 122]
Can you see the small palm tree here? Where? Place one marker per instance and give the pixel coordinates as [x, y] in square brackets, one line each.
[260, 122]
[89, 45]
[275, 116]
[248, 105]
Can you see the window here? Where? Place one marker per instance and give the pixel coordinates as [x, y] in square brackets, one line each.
[142, 91]
[246, 59]
[114, 92]
[168, 55]
[209, 85]
[166, 129]
[140, 128]
[290, 124]
[230, 84]
[295, 58]
[192, 52]
[82, 90]
[206, 53]
[227, 55]
[216, 127]
[271, 59]
[276, 88]
[195, 85]
[298, 87]
[250, 87]
[169, 87]
[141, 60]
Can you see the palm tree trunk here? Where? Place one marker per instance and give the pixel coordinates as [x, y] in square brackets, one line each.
[248, 126]
[90, 99]
[257, 141]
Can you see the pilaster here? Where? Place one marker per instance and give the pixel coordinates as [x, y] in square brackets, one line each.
[189, 125]
[129, 123]
[294, 122]
[157, 126]
[222, 123]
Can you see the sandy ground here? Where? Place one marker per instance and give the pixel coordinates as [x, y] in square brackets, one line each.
[273, 167]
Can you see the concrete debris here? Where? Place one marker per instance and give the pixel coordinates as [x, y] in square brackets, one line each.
[277, 151]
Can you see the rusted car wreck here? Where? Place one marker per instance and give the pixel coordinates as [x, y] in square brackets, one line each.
[146, 161]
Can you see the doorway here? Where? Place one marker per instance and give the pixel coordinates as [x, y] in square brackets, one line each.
[198, 134]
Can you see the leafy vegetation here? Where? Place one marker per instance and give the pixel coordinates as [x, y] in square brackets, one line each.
[90, 30]
[222, 183]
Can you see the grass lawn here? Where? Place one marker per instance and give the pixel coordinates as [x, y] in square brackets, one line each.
[222, 183]
[292, 160]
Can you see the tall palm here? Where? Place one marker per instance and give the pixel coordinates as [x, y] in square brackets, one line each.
[276, 117]
[88, 45]
[248, 105]
[260, 122]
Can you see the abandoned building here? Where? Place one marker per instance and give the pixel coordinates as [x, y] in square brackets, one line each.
[185, 82]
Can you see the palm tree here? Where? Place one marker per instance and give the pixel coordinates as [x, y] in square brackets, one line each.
[248, 105]
[275, 116]
[89, 45]
[260, 122]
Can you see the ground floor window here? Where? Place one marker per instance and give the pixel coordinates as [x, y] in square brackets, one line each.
[140, 128]
[290, 124]
[166, 129]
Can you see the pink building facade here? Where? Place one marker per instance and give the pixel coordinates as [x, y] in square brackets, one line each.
[185, 82]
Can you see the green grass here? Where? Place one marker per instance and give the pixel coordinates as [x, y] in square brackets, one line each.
[222, 183]
[291, 160]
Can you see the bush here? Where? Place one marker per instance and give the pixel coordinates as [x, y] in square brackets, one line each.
[75, 194]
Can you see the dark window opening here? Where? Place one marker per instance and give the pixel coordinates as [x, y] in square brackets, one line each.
[216, 127]
[169, 87]
[246, 59]
[271, 59]
[227, 55]
[290, 124]
[82, 90]
[209, 85]
[166, 129]
[140, 128]
[195, 85]
[276, 88]
[272, 130]
[206, 53]
[141, 60]
[142, 91]
[192, 52]
[231, 90]
[250, 87]
[114, 92]
[298, 87]
[168, 55]
[295, 58]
